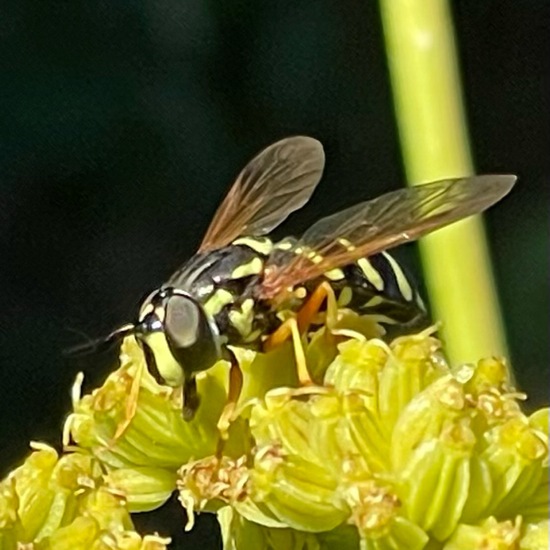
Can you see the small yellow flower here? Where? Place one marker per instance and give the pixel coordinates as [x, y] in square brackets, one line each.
[489, 534]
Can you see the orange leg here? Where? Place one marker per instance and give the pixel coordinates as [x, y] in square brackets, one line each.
[312, 307]
[295, 327]
[289, 329]
[292, 328]
[233, 393]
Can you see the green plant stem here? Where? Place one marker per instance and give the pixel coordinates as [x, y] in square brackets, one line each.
[430, 116]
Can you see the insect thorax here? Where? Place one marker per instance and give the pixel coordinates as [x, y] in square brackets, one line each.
[228, 282]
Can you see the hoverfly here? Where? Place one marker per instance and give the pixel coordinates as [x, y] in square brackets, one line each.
[230, 291]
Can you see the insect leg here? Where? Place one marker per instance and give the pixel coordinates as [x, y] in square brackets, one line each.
[306, 315]
[295, 327]
[191, 399]
[233, 394]
[290, 329]
[312, 307]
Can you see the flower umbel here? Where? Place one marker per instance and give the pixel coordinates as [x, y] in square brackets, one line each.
[392, 449]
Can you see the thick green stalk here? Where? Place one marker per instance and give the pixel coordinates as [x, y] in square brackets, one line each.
[430, 115]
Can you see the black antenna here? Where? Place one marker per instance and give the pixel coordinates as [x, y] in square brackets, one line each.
[99, 345]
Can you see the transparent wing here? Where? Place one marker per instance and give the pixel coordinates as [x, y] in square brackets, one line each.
[387, 221]
[279, 180]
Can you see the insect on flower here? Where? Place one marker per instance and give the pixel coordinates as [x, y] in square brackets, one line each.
[232, 290]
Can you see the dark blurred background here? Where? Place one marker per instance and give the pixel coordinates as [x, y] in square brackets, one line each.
[123, 123]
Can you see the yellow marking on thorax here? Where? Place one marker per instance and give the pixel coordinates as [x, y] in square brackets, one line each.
[243, 318]
[402, 282]
[300, 292]
[261, 246]
[253, 267]
[284, 245]
[205, 290]
[254, 335]
[346, 294]
[374, 301]
[334, 274]
[218, 301]
[371, 273]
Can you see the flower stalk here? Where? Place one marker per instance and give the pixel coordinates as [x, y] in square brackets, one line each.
[432, 126]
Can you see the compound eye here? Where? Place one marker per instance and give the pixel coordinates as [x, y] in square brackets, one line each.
[182, 322]
[192, 338]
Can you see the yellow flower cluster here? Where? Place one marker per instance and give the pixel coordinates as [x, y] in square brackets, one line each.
[62, 503]
[391, 449]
